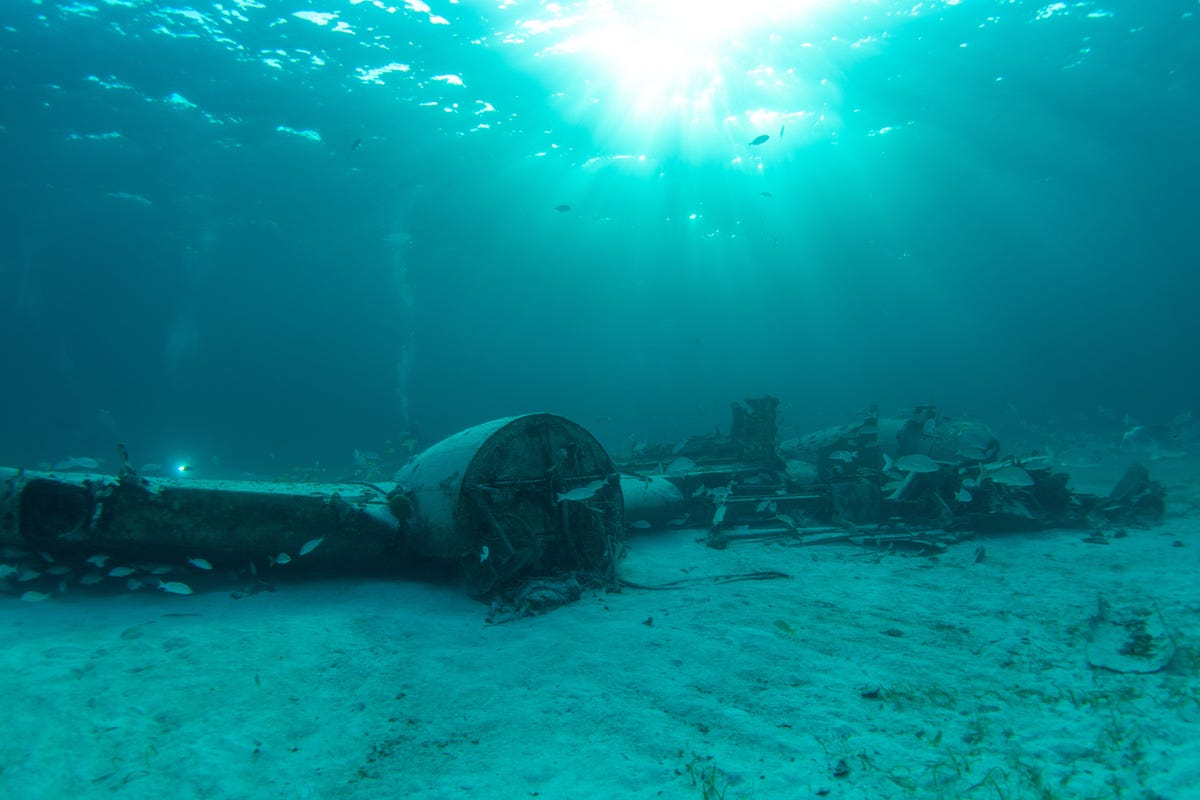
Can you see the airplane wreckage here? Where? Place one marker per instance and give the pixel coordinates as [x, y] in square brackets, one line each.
[527, 510]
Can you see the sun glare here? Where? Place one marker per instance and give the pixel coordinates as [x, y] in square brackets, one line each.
[695, 71]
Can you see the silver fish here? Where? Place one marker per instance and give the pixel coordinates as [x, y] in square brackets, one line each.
[1011, 475]
[77, 463]
[681, 464]
[174, 587]
[200, 563]
[801, 471]
[310, 545]
[914, 462]
[579, 494]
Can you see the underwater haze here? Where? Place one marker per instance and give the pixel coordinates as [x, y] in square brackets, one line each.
[259, 235]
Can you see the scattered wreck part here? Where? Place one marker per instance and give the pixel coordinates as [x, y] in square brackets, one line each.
[1129, 635]
[654, 498]
[855, 500]
[508, 485]
[846, 449]
[533, 597]
[75, 515]
[754, 427]
[928, 543]
[921, 467]
[1135, 500]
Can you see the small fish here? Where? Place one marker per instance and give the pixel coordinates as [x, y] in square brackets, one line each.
[579, 494]
[34, 597]
[1011, 475]
[91, 578]
[801, 471]
[357, 143]
[973, 453]
[77, 463]
[310, 545]
[757, 140]
[200, 563]
[174, 587]
[121, 572]
[563, 208]
[963, 496]
[785, 627]
[133, 198]
[900, 486]
[6, 570]
[282, 558]
[483, 554]
[26, 574]
[767, 195]
[1079, 457]
[1036, 463]
[98, 560]
[781, 133]
[845, 456]
[641, 525]
[59, 569]
[681, 464]
[914, 462]
[133, 584]
[765, 505]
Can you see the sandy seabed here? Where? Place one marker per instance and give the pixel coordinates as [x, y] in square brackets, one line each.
[861, 675]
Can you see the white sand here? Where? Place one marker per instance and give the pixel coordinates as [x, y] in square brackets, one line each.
[928, 677]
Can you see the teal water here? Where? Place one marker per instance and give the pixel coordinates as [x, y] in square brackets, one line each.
[258, 235]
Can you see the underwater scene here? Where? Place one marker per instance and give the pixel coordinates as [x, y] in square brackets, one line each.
[673, 399]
